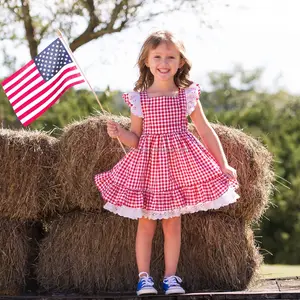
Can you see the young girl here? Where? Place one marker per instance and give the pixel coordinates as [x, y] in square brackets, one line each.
[169, 172]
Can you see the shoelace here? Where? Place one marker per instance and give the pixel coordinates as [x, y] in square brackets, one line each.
[173, 280]
[146, 280]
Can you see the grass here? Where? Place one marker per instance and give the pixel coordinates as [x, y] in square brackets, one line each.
[277, 271]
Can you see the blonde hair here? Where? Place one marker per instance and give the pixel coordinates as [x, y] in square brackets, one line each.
[146, 78]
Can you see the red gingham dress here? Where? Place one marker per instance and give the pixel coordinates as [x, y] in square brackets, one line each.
[171, 172]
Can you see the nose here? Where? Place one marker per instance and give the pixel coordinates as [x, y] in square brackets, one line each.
[164, 61]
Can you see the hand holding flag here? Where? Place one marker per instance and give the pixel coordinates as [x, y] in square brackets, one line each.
[40, 83]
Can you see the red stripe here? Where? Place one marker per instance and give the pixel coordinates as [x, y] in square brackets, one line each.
[5, 81]
[20, 80]
[42, 92]
[28, 92]
[21, 88]
[50, 104]
[46, 99]
[47, 87]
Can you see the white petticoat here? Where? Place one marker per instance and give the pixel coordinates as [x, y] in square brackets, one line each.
[135, 213]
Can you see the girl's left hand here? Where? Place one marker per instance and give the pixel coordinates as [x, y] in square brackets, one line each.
[229, 171]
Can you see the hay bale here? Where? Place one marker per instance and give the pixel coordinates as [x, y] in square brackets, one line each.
[27, 187]
[253, 163]
[218, 253]
[14, 251]
[85, 150]
[88, 253]
[91, 253]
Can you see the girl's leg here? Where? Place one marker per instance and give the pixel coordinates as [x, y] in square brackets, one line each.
[172, 242]
[144, 236]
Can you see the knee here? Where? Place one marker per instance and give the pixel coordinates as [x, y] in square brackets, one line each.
[171, 226]
[147, 227]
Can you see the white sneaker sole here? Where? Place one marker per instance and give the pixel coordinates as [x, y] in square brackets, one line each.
[146, 291]
[175, 291]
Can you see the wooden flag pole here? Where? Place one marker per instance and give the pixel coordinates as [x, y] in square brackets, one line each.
[71, 54]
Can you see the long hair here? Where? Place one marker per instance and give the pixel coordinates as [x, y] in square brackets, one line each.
[146, 78]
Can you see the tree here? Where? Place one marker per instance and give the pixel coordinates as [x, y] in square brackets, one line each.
[38, 21]
[227, 96]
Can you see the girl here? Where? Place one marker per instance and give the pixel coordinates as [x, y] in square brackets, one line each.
[168, 172]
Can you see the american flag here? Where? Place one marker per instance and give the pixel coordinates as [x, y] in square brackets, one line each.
[39, 84]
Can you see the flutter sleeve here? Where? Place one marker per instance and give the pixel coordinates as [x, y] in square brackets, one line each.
[133, 100]
[193, 93]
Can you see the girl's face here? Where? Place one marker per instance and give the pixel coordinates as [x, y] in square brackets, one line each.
[164, 61]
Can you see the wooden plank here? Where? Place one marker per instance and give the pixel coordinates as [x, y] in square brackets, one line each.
[289, 285]
[265, 286]
[206, 296]
[283, 288]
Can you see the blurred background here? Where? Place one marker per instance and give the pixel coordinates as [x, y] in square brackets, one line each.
[244, 54]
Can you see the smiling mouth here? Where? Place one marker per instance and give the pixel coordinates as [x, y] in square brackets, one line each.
[163, 71]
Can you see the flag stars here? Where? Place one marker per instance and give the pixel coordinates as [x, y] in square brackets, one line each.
[52, 60]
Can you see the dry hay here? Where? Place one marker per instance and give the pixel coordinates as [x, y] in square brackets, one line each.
[90, 253]
[218, 253]
[85, 150]
[27, 188]
[14, 251]
[253, 163]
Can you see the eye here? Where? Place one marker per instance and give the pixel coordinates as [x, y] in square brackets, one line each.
[172, 57]
[156, 56]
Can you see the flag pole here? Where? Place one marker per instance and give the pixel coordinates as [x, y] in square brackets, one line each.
[71, 54]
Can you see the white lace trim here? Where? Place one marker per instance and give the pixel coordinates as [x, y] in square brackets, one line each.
[135, 100]
[230, 196]
[192, 96]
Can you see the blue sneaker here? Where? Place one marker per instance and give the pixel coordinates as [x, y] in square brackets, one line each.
[171, 285]
[145, 285]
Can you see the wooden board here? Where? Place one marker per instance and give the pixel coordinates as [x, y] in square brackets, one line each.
[282, 288]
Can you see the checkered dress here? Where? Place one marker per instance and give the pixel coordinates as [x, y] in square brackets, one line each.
[171, 172]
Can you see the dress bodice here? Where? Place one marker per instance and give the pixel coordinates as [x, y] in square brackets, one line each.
[164, 114]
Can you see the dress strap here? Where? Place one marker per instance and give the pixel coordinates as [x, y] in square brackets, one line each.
[143, 95]
[180, 90]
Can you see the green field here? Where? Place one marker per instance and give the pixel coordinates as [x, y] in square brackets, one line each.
[277, 271]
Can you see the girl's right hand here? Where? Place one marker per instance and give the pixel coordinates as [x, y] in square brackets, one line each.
[113, 129]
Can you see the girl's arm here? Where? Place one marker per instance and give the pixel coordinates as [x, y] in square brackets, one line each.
[128, 137]
[208, 135]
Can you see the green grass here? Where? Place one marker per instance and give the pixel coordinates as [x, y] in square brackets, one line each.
[277, 271]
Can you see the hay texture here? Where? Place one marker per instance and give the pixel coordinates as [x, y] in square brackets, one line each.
[91, 253]
[27, 187]
[14, 251]
[218, 252]
[88, 253]
[253, 163]
[85, 150]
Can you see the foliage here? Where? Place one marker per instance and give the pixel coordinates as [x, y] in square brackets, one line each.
[81, 21]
